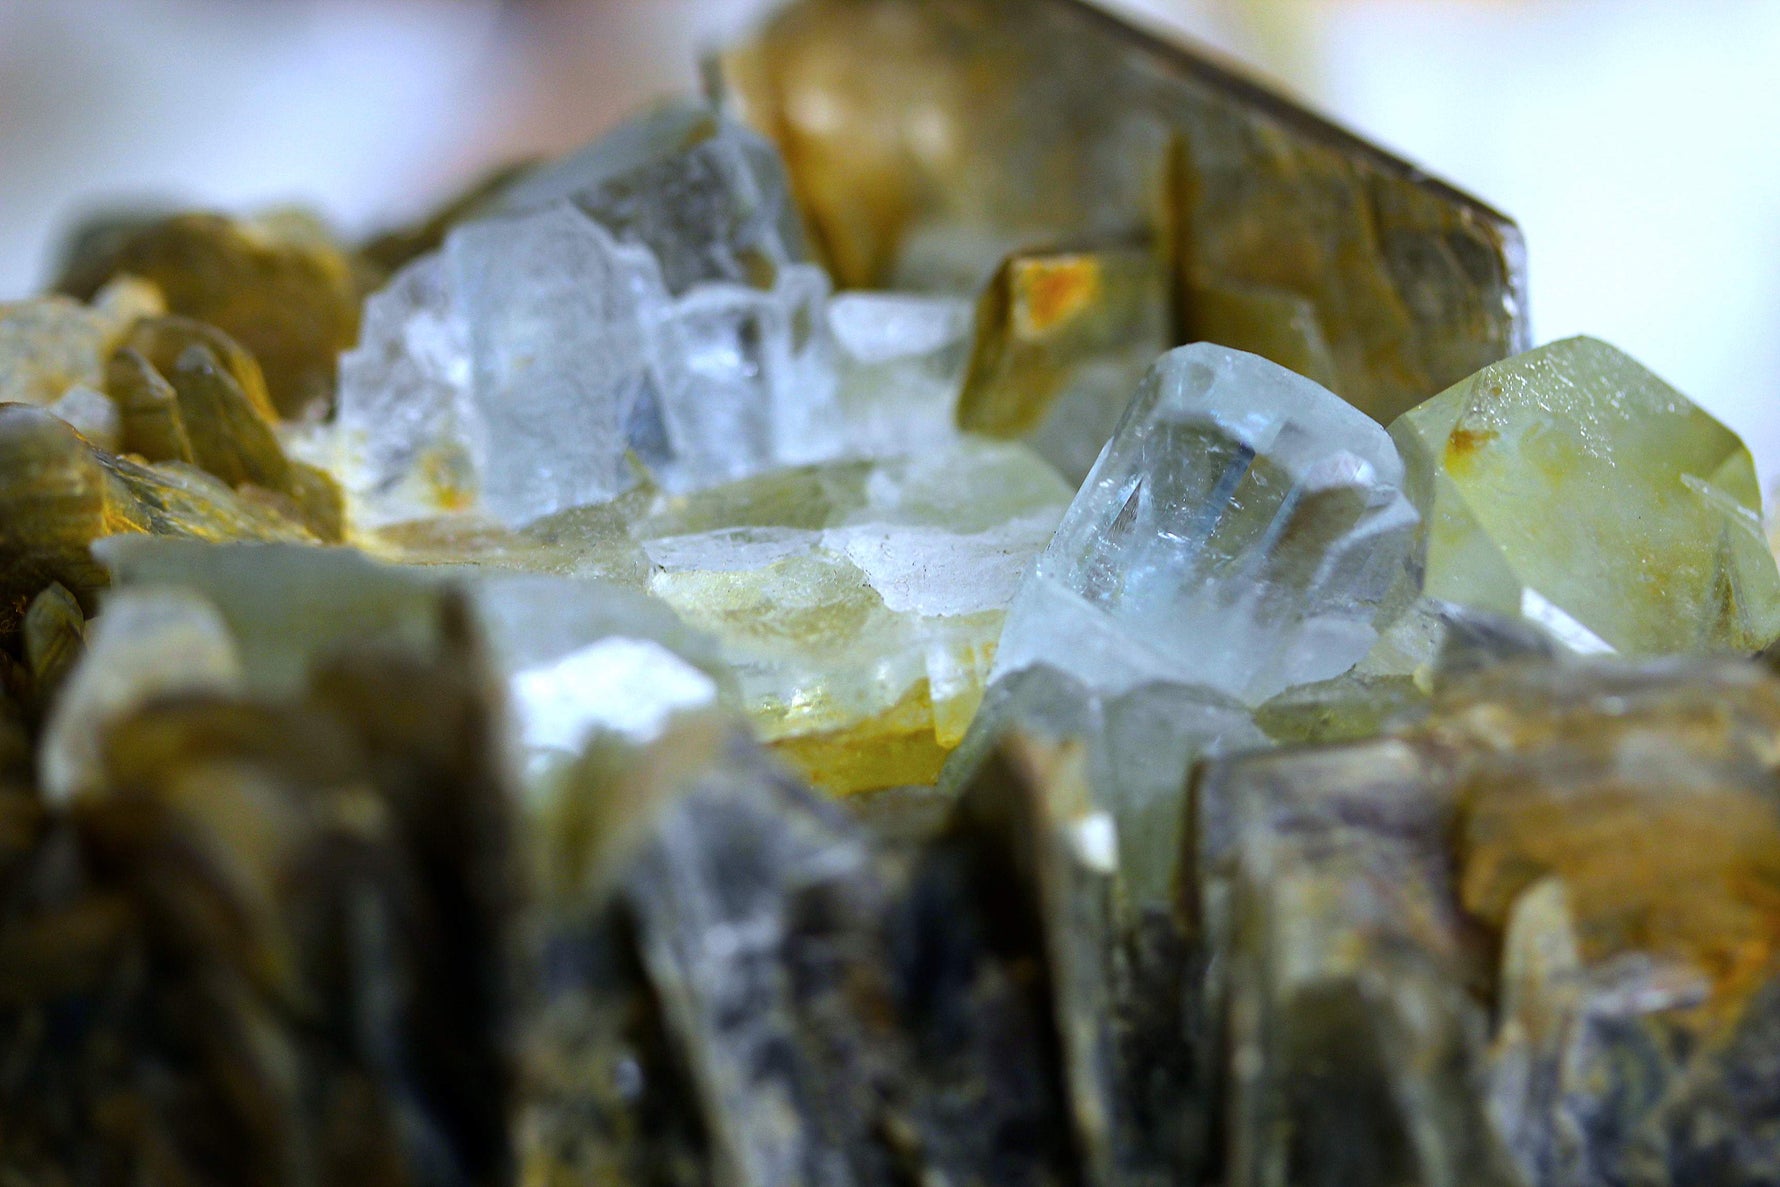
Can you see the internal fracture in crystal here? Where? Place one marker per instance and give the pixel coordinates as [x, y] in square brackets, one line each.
[1244, 530]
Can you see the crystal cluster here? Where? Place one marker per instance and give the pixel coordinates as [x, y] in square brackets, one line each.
[987, 603]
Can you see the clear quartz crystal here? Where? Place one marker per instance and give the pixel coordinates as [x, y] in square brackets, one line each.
[1243, 530]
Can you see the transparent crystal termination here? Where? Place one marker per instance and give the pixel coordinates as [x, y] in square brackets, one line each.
[1570, 485]
[402, 427]
[705, 195]
[859, 602]
[519, 372]
[1243, 530]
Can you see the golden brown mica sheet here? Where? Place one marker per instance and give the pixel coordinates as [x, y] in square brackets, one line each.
[928, 140]
[1535, 939]
[279, 284]
[195, 454]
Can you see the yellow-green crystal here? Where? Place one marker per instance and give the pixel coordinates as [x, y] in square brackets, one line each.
[1571, 485]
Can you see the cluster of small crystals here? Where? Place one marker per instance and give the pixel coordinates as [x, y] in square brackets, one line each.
[992, 604]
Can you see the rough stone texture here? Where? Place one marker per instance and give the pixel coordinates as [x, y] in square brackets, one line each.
[1529, 941]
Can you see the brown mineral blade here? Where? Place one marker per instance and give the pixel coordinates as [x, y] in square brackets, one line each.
[276, 285]
[926, 141]
[55, 499]
[161, 340]
[58, 494]
[1060, 341]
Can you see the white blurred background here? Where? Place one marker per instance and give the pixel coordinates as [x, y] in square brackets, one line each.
[1636, 141]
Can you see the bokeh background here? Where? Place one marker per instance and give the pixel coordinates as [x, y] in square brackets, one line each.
[1636, 141]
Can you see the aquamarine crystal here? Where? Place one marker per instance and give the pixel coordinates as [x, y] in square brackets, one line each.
[1243, 530]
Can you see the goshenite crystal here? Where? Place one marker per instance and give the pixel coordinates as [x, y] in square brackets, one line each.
[1243, 530]
[402, 427]
[899, 361]
[1572, 486]
[927, 141]
[558, 317]
[1061, 339]
[639, 303]
[705, 195]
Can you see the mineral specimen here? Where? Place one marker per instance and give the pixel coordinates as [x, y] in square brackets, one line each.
[1527, 846]
[626, 798]
[705, 196]
[899, 362]
[860, 603]
[1658, 547]
[264, 943]
[928, 141]
[1243, 530]
[641, 298]
[52, 345]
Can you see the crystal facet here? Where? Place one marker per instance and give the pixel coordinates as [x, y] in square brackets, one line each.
[985, 127]
[1573, 487]
[861, 623]
[1243, 530]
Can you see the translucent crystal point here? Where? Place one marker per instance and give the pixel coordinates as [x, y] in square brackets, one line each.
[532, 365]
[899, 361]
[747, 382]
[560, 318]
[705, 195]
[1573, 487]
[402, 424]
[1242, 530]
